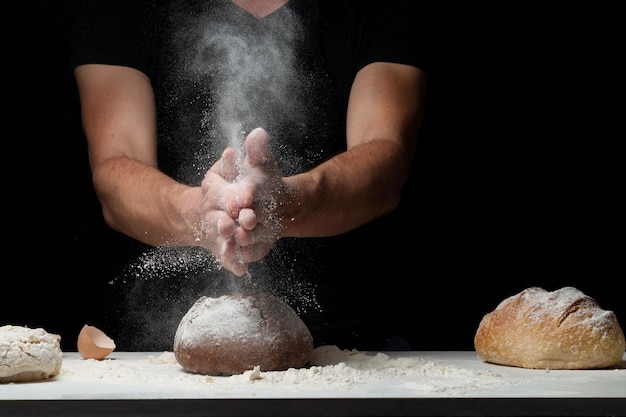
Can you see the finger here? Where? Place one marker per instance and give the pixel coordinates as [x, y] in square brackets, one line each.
[228, 200]
[220, 195]
[259, 234]
[254, 252]
[247, 218]
[239, 269]
[230, 166]
[213, 181]
[236, 266]
[243, 237]
[257, 147]
[226, 167]
[225, 225]
[231, 258]
[254, 244]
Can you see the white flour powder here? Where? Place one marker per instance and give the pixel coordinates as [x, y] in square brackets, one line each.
[332, 370]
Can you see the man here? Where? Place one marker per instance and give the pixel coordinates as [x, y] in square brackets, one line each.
[328, 96]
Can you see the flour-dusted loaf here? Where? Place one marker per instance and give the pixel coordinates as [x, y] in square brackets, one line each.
[28, 354]
[234, 333]
[561, 329]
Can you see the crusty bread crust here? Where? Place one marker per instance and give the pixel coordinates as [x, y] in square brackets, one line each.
[269, 334]
[562, 329]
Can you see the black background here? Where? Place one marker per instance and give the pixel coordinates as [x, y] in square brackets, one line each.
[517, 181]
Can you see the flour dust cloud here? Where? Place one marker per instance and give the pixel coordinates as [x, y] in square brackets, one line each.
[251, 69]
[228, 74]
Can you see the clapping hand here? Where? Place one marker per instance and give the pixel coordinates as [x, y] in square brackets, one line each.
[242, 204]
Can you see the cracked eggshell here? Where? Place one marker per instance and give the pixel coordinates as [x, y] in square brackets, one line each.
[93, 343]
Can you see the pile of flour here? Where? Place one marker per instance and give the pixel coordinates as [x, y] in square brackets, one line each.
[332, 370]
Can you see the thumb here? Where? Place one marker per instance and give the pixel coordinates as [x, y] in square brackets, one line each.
[257, 147]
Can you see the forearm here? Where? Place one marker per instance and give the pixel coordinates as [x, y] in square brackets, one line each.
[141, 202]
[367, 180]
[347, 191]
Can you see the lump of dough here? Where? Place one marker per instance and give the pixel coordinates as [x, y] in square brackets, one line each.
[28, 354]
[561, 329]
[235, 333]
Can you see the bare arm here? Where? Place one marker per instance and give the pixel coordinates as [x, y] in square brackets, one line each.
[366, 181]
[384, 115]
[119, 120]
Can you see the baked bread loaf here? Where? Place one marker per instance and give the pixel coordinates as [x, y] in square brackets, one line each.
[28, 354]
[235, 333]
[561, 329]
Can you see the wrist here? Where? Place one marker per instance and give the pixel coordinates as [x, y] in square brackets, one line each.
[186, 219]
[297, 205]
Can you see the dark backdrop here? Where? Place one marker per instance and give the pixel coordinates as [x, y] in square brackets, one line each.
[517, 179]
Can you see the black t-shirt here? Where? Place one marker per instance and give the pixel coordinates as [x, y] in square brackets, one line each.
[208, 96]
[217, 73]
[354, 32]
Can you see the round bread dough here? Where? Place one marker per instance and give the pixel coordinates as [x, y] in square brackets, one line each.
[235, 333]
[561, 329]
[28, 354]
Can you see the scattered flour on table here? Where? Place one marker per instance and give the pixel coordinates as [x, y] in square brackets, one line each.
[331, 369]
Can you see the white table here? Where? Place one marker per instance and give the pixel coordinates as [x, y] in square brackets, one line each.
[412, 383]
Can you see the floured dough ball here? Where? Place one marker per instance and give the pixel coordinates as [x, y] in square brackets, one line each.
[235, 333]
[28, 354]
[561, 329]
